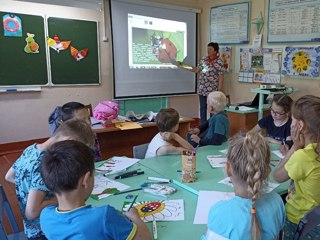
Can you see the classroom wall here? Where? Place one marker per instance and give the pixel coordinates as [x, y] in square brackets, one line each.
[24, 115]
[240, 92]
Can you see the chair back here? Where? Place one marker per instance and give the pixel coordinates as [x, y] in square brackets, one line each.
[140, 151]
[5, 209]
[308, 222]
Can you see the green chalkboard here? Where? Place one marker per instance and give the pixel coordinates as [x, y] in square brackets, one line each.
[65, 69]
[18, 68]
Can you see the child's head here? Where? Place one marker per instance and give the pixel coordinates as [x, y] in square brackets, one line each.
[74, 110]
[76, 129]
[305, 113]
[216, 101]
[281, 106]
[67, 166]
[167, 120]
[248, 164]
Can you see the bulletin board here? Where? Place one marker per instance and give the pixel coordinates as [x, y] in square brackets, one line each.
[229, 24]
[22, 63]
[75, 64]
[262, 65]
[293, 21]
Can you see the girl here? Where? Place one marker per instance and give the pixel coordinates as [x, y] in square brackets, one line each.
[250, 212]
[302, 164]
[278, 124]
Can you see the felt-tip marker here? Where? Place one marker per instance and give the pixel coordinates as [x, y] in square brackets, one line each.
[126, 175]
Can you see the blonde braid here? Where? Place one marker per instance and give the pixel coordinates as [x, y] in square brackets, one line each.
[250, 159]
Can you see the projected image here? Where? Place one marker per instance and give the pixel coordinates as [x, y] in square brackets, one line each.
[155, 43]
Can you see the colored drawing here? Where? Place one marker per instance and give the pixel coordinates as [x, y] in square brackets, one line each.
[116, 164]
[12, 26]
[32, 46]
[301, 61]
[78, 55]
[105, 187]
[56, 44]
[160, 210]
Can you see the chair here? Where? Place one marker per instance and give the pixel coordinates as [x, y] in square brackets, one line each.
[308, 222]
[6, 209]
[140, 151]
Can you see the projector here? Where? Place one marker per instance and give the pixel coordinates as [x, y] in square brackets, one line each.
[273, 87]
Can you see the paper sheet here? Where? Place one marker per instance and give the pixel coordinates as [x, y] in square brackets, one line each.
[103, 184]
[267, 187]
[217, 161]
[206, 200]
[278, 153]
[224, 151]
[244, 108]
[116, 164]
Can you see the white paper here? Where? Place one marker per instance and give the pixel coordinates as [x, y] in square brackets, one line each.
[278, 153]
[267, 187]
[206, 200]
[224, 151]
[257, 41]
[217, 161]
[102, 183]
[172, 210]
[244, 108]
[116, 164]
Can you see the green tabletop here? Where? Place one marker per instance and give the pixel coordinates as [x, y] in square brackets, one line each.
[166, 230]
[166, 167]
[208, 177]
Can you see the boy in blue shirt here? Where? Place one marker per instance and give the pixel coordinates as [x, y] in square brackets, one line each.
[72, 218]
[214, 131]
[32, 193]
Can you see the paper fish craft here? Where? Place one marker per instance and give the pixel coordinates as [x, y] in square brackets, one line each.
[78, 55]
[56, 44]
[32, 46]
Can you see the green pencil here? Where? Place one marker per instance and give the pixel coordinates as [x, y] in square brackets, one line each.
[134, 200]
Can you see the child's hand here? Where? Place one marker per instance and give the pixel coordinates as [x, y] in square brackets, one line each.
[284, 148]
[195, 138]
[132, 214]
[167, 136]
[194, 131]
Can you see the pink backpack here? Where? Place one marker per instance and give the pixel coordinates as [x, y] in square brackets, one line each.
[106, 110]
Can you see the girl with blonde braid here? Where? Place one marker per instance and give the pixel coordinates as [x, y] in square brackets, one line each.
[251, 214]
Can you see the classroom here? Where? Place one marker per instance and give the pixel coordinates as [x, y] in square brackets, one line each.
[26, 108]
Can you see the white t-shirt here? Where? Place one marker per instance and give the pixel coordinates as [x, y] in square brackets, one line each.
[156, 142]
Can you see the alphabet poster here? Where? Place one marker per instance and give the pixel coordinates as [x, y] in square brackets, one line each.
[301, 61]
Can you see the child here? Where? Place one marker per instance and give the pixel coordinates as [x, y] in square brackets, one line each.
[250, 212]
[72, 218]
[278, 124]
[70, 110]
[214, 131]
[32, 193]
[302, 164]
[168, 123]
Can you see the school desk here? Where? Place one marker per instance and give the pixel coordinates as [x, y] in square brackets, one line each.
[244, 120]
[116, 142]
[166, 167]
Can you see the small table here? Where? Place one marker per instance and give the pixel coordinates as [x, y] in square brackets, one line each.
[244, 120]
[263, 92]
[116, 142]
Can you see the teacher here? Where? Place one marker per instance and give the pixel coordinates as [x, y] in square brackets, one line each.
[210, 70]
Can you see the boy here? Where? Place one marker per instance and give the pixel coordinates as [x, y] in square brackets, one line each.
[70, 110]
[214, 131]
[168, 123]
[32, 193]
[72, 218]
